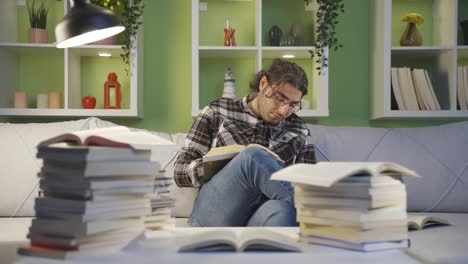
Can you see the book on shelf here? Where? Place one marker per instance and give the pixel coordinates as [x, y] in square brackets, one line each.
[417, 221]
[461, 96]
[239, 239]
[396, 89]
[422, 85]
[418, 87]
[407, 89]
[431, 91]
[465, 83]
[118, 136]
[218, 157]
[325, 174]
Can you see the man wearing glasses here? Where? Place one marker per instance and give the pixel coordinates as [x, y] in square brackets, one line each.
[241, 194]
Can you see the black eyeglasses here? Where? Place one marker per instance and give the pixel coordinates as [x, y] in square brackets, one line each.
[281, 100]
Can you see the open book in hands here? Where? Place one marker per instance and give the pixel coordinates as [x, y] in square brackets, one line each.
[218, 157]
[118, 136]
[239, 239]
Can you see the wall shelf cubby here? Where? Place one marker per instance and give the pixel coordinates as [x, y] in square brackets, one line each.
[442, 51]
[252, 21]
[73, 72]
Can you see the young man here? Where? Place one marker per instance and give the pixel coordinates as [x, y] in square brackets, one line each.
[241, 194]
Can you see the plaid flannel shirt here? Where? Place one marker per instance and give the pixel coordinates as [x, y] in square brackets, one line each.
[226, 122]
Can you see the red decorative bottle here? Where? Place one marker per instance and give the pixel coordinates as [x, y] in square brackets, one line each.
[112, 92]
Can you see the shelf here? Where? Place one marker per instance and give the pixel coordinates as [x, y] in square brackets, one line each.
[398, 114]
[74, 72]
[94, 50]
[30, 48]
[439, 54]
[279, 52]
[210, 58]
[67, 112]
[421, 51]
[228, 52]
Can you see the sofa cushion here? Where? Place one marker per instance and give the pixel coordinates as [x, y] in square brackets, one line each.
[19, 164]
[439, 154]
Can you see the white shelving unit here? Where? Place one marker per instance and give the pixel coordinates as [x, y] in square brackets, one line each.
[253, 56]
[12, 51]
[439, 55]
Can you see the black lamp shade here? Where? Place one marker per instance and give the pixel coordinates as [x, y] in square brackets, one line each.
[86, 23]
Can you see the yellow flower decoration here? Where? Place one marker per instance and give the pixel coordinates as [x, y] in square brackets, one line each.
[413, 17]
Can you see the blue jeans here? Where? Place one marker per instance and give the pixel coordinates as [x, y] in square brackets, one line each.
[241, 194]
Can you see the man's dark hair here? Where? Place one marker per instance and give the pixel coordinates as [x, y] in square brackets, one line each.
[281, 71]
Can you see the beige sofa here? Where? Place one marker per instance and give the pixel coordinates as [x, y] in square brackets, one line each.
[439, 154]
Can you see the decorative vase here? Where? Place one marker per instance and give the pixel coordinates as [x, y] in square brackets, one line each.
[464, 26]
[274, 35]
[38, 35]
[411, 36]
[296, 34]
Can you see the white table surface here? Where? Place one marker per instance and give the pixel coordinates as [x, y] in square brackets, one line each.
[160, 247]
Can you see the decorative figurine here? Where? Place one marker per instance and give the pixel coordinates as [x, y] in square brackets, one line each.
[229, 38]
[112, 92]
[229, 84]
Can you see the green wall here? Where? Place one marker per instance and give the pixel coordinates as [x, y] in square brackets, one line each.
[167, 71]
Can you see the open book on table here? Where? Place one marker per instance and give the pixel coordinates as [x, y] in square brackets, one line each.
[239, 239]
[417, 221]
[218, 157]
[325, 174]
[118, 136]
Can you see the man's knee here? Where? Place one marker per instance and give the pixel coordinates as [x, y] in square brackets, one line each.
[253, 153]
[274, 213]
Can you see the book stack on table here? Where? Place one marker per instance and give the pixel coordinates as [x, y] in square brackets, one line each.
[161, 204]
[93, 199]
[358, 206]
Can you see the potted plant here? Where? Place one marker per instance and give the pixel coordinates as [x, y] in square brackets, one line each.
[327, 19]
[37, 33]
[131, 12]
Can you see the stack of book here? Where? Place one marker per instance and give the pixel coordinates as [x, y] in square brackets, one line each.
[161, 204]
[353, 205]
[94, 192]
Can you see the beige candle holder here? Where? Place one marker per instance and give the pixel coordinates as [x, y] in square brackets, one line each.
[55, 100]
[21, 100]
